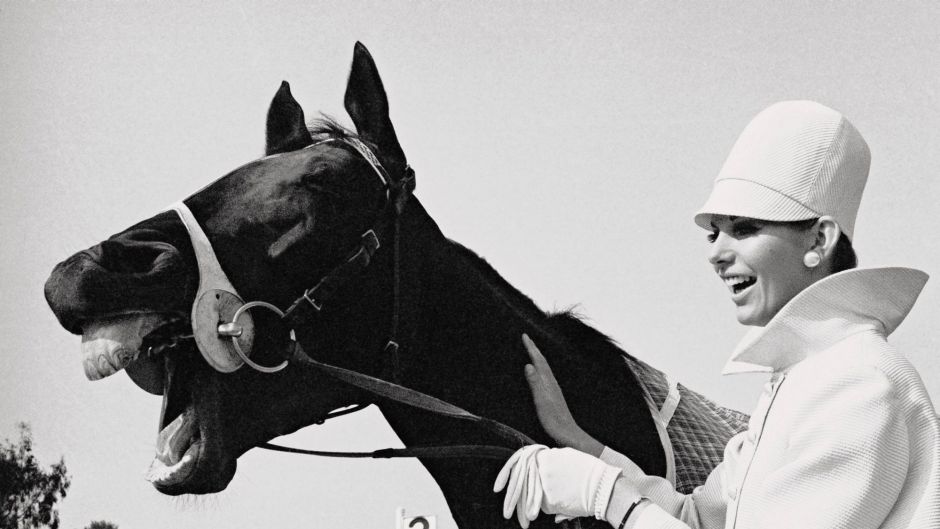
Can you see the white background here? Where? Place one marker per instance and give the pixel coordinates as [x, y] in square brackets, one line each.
[568, 146]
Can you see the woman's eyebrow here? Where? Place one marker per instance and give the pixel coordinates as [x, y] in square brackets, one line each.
[744, 220]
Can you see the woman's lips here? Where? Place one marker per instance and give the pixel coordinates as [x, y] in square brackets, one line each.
[738, 284]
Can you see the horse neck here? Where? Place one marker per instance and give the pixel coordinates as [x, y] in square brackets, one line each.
[461, 338]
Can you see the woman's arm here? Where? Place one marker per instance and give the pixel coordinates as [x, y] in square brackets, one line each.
[704, 507]
[551, 407]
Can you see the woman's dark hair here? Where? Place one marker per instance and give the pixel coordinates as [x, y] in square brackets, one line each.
[844, 257]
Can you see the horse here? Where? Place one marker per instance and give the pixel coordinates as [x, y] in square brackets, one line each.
[394, 300]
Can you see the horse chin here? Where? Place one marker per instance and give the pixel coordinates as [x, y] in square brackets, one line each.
[206, 473]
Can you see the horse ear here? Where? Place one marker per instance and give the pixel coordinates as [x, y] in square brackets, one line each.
[367, 105]
[287, 130]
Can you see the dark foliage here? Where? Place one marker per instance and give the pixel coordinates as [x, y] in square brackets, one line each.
[100, 524]
[29, 494]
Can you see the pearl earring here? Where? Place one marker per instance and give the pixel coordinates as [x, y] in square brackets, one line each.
[811, 259]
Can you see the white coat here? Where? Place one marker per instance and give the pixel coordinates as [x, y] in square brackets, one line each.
[844, 434]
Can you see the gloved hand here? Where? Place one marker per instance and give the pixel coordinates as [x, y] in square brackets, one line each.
[524, 493]
[569, 483]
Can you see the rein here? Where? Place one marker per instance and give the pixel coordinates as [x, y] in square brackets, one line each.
[413, 398]
[309, 304]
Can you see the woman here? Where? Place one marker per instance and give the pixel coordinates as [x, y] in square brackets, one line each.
[844, 433]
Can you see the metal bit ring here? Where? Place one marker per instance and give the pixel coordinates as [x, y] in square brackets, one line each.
[232, 328]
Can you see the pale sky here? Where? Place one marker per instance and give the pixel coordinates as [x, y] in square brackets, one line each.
[568, 146]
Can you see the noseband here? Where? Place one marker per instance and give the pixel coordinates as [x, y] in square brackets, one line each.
[224, 330]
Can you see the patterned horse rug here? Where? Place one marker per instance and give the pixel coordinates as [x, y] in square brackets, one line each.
[693, 428]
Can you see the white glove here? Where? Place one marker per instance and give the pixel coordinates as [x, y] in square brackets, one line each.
[524, 493]
[569, 484]
[575, 484]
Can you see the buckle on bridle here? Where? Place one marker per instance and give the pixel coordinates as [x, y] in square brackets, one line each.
[370, 241]
[313, 303]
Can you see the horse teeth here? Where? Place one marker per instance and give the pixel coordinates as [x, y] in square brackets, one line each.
[109, 346]
[177, 436]
[161, 474]
[103, 357]
[171, 465]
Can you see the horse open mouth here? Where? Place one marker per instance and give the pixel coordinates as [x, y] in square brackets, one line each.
[140, 343]
[189, 456]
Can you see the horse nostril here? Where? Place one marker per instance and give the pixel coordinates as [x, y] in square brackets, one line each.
[122, 256]
[119, 276]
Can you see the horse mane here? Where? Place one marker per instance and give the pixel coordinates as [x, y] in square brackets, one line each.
[583, 345]
[325, 126]
[566, 325]
[522, 303]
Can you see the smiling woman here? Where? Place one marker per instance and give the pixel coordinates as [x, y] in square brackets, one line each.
[763, 263]
[744, 243]
[845, 434]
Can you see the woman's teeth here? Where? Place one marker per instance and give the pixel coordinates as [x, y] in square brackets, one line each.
[739, 283]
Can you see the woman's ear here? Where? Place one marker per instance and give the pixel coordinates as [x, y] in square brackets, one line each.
[827, 233]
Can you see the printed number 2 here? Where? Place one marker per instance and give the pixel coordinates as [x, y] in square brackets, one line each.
[419, 520]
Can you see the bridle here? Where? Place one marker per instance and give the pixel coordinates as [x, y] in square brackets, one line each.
[224, 333]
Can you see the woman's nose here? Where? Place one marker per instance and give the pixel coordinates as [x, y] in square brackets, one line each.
[719, 251]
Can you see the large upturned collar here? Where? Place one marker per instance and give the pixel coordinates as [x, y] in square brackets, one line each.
[826, 312]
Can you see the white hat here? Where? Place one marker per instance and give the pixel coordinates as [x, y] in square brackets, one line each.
[796, 160]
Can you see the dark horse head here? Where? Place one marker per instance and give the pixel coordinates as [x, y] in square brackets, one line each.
[278, 225]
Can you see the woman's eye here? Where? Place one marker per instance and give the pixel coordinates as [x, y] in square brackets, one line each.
[712, 237]
[741, 230]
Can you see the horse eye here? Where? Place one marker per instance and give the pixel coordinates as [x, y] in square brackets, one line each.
[316, 183]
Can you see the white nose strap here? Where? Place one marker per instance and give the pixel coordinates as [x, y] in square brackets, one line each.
[210, 272]
[216, 301]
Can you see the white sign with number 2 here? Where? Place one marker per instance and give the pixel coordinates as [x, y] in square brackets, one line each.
[419, 522]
